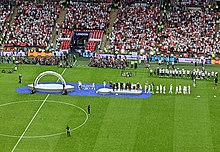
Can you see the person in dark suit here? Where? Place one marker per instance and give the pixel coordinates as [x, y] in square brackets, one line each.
[89, 109]
[113, 87]
[68, 131]
[33, 90]
[19, 78]
[121, 86]
[116, 85]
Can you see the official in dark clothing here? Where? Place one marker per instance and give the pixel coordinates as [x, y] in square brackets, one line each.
[129, 86]
[216, 81]
[117, 85]
[19, 78]
[68, 131]
[89, 109]
[33, 90]
[113, 86]
[121, 86]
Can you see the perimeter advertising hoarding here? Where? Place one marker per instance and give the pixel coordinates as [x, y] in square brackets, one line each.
[34, 54]
[192, 60]
[13, 54]
[205, 61]
[156, 58]
[215, 61]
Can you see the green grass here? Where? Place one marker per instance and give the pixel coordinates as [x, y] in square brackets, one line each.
[162, 123]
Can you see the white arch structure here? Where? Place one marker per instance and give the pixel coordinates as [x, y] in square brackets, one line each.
[49, 73]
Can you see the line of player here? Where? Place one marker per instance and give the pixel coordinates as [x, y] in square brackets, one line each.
[183, 73]
[161, 89]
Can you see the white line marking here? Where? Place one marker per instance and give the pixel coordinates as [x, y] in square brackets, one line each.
[30, 122]
[49, 135]
[33, 118]
[74, 63]
[62, 73]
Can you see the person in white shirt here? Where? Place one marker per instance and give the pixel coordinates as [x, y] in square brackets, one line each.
[177, 90]
[149, 90]
[208, 75]
[79, 85]
[157, 89]
[93, 86]
[184, 89]
[161, 88]
[171, 89]
[145, 88]
[188, 73]
[194, 82]
[213, 74]
[188, 89]
[164, 89]
[180, 89]
[104, 84]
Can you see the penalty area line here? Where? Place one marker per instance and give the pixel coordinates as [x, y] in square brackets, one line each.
[22, 135]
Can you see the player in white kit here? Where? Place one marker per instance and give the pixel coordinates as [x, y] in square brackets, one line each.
[161, 88]
[177, 88]
[180, 89]
[171, 89]
[188, 89]
[164, 89]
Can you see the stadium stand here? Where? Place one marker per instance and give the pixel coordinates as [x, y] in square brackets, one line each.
[191, 32]
[151, 27]
[33, 25]
[5, 12]
[87, 16]
[146, 25]
[135, 27]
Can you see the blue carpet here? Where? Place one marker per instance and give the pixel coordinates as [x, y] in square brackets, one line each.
[86, 91]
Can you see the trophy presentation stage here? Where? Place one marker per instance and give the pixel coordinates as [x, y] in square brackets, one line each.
[104, 91]
[52, 86]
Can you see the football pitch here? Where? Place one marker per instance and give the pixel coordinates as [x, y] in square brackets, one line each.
[161, 123]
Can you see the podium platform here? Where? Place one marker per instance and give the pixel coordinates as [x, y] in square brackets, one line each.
[104, 91]
[53, 87]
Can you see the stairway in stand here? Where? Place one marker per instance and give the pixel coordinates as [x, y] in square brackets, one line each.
[113, 16]
[59, 21]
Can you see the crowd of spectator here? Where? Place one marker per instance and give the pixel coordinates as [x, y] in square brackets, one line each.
[61, 61]
[33, 26]
[5, 12]
[146, 26]
[87, 16]
[141, 27]
[129, 2]
[108, 62]
[135, 27]
[190, 32]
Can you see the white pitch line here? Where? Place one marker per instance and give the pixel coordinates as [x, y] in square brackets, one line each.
[62, 73]
[49, 135]
[22, 135]
[74, 63]
[30, 122]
